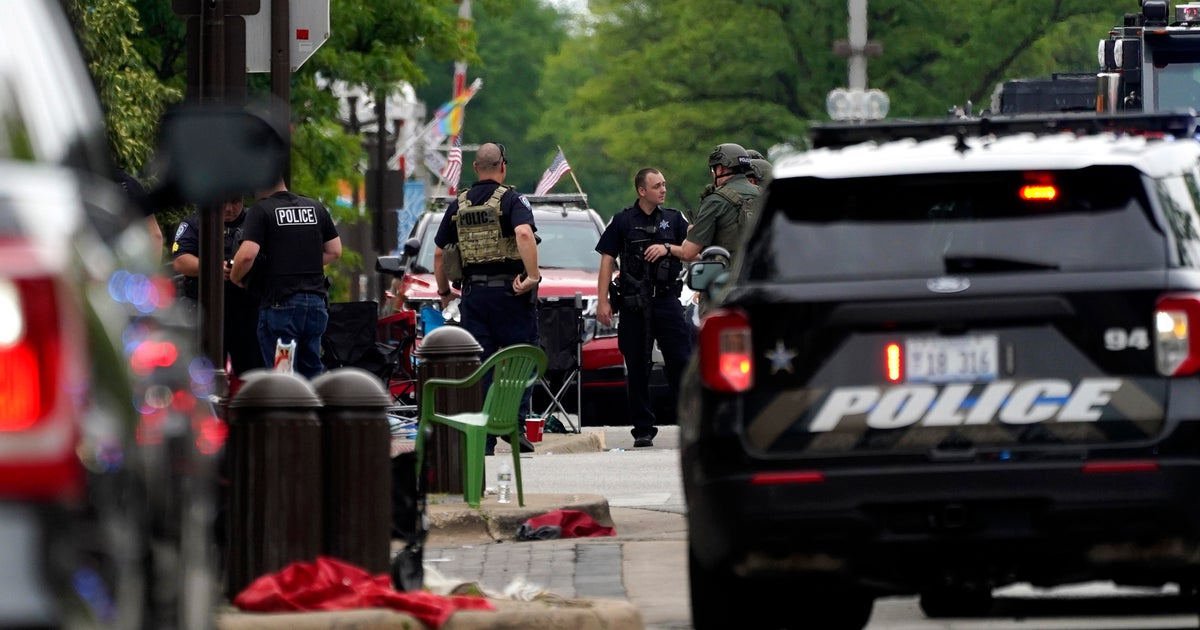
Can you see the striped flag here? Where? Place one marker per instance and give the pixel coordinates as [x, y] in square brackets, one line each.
[449, 116]
[558, 168]
[453, 168]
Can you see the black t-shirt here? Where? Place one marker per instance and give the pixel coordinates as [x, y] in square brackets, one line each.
[187, 241]
[291, 232]
[515, 211]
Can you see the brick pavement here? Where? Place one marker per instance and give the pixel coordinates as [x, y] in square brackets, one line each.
[572, 568]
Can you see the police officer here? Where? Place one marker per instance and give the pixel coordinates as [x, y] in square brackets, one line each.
[241, 309]
[648, 240]
[725, 210]
[488, 231]
[288, 240]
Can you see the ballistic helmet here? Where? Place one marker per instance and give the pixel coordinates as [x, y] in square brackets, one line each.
[761, 169]
[731, 156]
[755, 155]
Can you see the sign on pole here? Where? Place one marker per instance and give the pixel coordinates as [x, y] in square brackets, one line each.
[309, 30]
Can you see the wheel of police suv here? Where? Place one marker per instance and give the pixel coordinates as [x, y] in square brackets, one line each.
[722, 600]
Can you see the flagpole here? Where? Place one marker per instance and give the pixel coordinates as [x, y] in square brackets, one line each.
[572, 172]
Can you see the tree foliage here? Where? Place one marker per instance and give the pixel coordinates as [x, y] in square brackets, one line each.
[132, 96]
[659, 83]
[513, 44]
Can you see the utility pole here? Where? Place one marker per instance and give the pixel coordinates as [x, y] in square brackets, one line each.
[281, 75]
[216, 49]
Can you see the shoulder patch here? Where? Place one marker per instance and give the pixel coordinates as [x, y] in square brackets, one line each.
[183, 226]
[525, 201]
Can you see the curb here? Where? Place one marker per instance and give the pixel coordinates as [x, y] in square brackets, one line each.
[497, 521]
[547, 612]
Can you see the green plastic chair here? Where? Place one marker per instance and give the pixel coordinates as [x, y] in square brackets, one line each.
[514, 369]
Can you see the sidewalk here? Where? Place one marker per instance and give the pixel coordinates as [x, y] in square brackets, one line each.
[578, 584]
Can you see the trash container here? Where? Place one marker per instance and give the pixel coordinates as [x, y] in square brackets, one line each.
[357, 460]
[275, 512]
[448, 352]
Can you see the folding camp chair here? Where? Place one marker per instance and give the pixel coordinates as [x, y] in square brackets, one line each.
[350, 340]
[561, 333]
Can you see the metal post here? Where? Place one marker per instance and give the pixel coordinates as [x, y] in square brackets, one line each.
[211, 291]
[281, 75]
[858, 42]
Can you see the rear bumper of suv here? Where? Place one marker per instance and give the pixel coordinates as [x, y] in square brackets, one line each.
[900, 529]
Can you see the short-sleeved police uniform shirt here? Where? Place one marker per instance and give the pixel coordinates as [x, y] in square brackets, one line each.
[291, 231]
[515, 210]
[187, 241]
[668, 226]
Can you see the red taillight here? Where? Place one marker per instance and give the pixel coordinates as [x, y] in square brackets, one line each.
[790, 477]
[1176, 350]
[726, 364]
[1121, 466]
[29, 352]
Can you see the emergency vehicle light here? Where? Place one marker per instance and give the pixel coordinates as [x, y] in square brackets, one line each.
[1039, 192]
[892, 358]
[1189, 12]
[1176, 350]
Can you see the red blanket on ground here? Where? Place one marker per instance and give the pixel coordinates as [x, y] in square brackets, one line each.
[330, 584]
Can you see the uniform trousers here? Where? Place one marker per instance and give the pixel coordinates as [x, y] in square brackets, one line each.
[498, 318]
[674, 336]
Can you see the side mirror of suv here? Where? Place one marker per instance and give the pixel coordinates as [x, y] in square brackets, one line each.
[702, 274]
[206, 154]
[390, 264]
[412, 247]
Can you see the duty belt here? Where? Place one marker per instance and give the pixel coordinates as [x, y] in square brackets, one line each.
[673, 290]
[491, 280]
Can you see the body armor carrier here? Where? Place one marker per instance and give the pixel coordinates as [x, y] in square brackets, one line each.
[480, 238]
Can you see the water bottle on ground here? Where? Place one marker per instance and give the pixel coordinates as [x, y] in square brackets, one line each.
[504, 483]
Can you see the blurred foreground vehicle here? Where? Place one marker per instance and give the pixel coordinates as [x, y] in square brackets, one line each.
[954, 355]
[107, 433]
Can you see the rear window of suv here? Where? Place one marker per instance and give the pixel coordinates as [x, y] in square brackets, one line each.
[814, 229]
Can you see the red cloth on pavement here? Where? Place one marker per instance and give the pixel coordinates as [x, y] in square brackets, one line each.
[574, 524]
[330, 584]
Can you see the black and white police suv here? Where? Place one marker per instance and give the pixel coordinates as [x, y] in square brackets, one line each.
[952, 356]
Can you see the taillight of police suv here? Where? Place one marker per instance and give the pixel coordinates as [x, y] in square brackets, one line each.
[726, 364]
[1176, 347]
[37, 430]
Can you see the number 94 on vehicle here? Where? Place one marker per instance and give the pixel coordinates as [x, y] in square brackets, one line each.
[971, 358]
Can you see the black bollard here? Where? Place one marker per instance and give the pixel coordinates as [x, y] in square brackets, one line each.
[448, 352]
[358, 474]
[275, 512]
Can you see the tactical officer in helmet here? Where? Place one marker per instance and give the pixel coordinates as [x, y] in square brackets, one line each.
[647, 238]
[727, 208]
[488, 233]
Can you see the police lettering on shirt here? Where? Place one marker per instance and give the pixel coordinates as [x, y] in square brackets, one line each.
[1011, 402]
[296, 215]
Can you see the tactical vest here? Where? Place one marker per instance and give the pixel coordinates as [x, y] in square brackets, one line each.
[480, 237]
[744, 204]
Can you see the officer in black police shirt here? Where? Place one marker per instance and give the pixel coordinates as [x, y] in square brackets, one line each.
[491, 226]
[647, 238]
[288, 240]
[240, 323]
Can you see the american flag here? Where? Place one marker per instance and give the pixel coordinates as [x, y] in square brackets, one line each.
[558, 168]
[453, 168]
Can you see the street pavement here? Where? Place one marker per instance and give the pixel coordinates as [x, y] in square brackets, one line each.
[627, 581]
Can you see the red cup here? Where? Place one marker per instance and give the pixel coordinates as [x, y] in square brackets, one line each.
[534, 428]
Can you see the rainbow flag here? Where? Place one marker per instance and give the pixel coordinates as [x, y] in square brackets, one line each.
[450, 115]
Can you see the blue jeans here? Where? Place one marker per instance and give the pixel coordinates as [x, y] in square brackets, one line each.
[301, 317]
